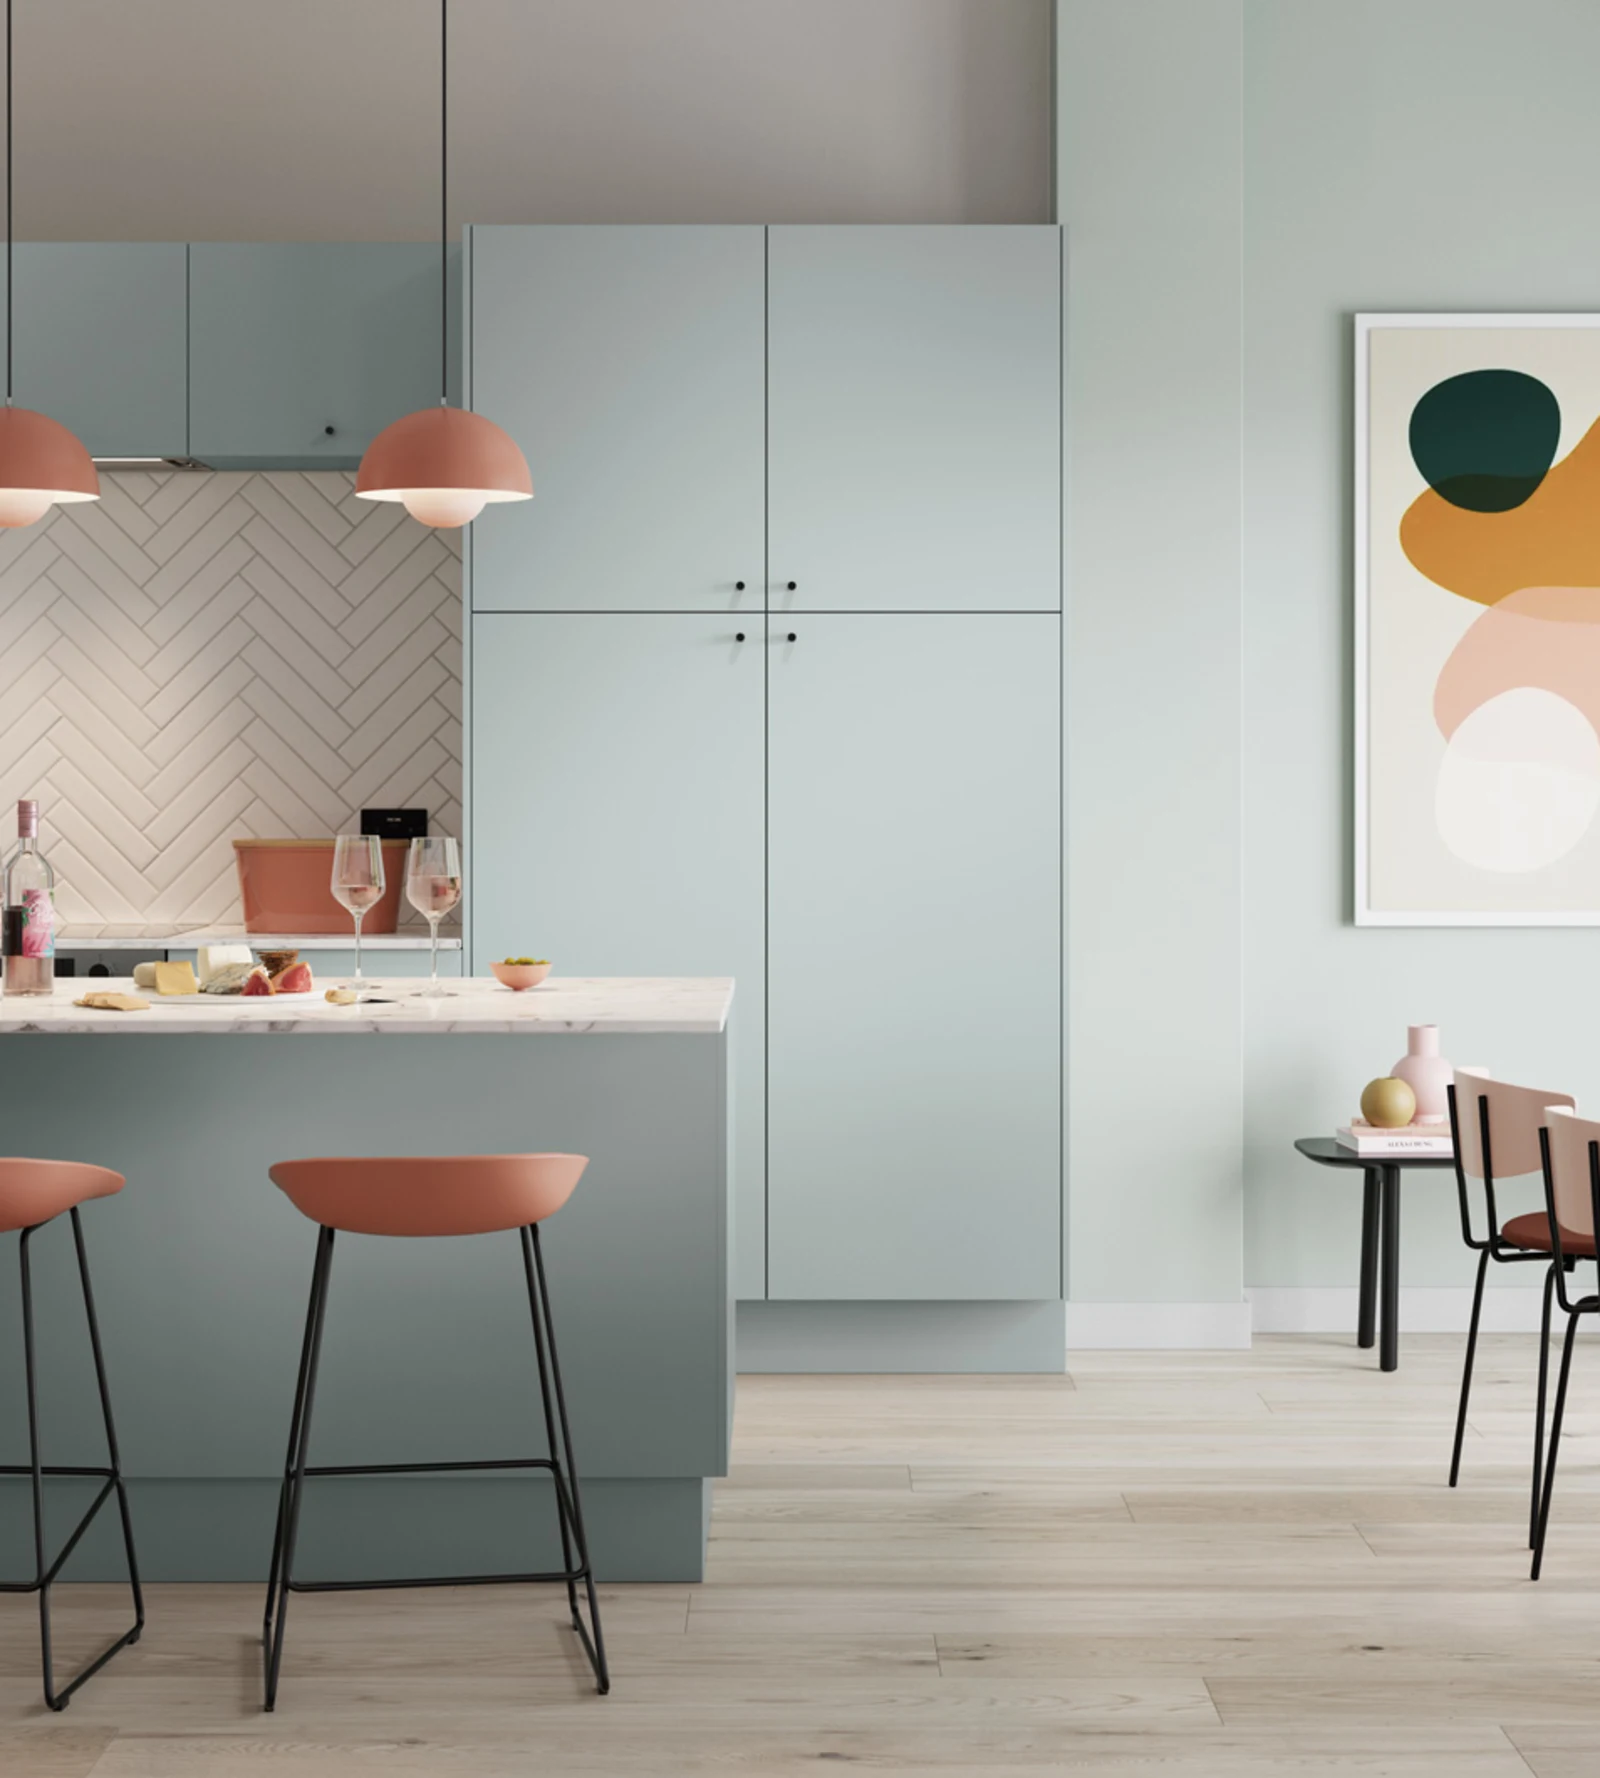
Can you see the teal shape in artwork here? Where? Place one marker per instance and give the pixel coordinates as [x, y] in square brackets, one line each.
[1484, 440]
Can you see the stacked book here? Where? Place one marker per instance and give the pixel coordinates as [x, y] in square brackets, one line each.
[1362, 1138]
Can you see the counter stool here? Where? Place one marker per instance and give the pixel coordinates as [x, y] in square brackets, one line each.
[462, 1195]
[33, 1193]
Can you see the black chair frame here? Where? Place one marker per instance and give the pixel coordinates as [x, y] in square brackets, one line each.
[109, 1475]
[1494, 1246]
[1574, 1310]
[560, 1465]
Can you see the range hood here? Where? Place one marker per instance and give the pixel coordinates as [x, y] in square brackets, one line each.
[149, 463]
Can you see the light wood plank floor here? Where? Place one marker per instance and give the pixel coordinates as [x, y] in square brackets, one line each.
[1209, 1566]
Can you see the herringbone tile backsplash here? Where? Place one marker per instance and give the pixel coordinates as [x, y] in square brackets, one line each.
[197, 658]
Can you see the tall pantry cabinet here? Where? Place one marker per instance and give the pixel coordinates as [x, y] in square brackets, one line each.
[766, 682]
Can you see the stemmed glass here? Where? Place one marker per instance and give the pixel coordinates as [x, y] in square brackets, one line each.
[433, 887]
[357, 880]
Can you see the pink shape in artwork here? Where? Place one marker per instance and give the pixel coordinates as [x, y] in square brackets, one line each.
[1547, 637]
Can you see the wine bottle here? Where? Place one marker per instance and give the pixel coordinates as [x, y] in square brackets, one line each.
[29, 910]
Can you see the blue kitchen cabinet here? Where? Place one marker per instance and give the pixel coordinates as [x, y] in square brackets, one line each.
[862, 824]
[616, 808]
[914, 425]
[101, 342]
[628, 362]
[300, 352]
[914, 989]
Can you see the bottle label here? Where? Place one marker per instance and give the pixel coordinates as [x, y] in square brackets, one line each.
[38, 924]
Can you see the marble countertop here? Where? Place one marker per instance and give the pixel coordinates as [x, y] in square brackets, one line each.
[562, 1006]
[189, 938]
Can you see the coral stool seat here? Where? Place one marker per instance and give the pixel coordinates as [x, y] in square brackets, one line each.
[431, 1195]
[32, 1192]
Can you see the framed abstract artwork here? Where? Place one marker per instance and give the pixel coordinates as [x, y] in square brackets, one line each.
[1477, 629]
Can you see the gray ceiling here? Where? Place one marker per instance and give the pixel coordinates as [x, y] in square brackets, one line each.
[264, 119]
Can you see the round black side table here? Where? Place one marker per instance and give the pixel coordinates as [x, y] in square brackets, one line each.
[1380, 1228]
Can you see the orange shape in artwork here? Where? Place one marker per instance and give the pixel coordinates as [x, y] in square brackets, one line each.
[1551, 541]
[1546, 637]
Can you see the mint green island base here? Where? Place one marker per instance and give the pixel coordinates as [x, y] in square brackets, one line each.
[201, 1270]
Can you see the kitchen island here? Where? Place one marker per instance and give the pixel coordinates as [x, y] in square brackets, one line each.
[202, 1268]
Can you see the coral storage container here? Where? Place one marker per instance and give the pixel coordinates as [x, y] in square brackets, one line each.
[284, 885]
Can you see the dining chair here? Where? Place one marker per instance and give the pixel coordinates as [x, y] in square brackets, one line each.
[1496, 1133]
[1570, 1148]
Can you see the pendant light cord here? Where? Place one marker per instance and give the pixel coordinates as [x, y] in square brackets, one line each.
[444, 196]
[9, 158]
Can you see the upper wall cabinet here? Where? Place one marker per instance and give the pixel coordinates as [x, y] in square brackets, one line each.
[628, 363]
[300, 352]
[101, 342]
[914, 388]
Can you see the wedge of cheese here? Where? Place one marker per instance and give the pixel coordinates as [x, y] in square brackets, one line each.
[176, 978]
[211, 958]
[109, 1002]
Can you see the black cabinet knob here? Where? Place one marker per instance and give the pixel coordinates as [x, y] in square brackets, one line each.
[328, 430]
[790, 585]
[738, 586]
[738, 636]
[793, 637]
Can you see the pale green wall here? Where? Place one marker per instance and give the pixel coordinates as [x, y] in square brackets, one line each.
[1387, 154]
[1432, 154]
[1148, 107]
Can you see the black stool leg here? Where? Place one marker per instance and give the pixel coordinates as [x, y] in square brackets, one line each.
[275, 1565]
[295, 1476]
[1466, 1369]
[568, 1504]
[45, 1575]
[1538, 1413]
[111, 1430]
[550, 1425]
[1555, 1446]
[37, 1472]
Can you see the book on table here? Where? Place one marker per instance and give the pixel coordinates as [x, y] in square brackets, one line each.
[1425, 1140]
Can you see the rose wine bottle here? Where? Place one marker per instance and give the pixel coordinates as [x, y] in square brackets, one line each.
[30, 910]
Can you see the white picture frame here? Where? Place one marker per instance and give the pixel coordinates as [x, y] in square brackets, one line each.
[1384, 910]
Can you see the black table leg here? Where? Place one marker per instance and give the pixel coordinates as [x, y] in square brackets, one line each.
[1389, 1320]
[1367, 1319]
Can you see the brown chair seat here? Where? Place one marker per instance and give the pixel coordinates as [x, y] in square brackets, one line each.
[1532, 1232]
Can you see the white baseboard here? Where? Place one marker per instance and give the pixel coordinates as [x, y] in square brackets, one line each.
[1154, 1327]
[1423, 1308]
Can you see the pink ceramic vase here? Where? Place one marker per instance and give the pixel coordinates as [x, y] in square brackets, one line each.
[1426, 1072]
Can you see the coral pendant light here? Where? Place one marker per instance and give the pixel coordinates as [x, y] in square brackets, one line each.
[444, 464]
[41, 463]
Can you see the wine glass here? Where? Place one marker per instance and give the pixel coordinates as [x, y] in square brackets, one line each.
[433, 887]
[357, 880]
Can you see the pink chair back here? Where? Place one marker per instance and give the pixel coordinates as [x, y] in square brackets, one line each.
[1516, 1115]
[475, 1194]
[33, 1191]
[1570, 1136]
